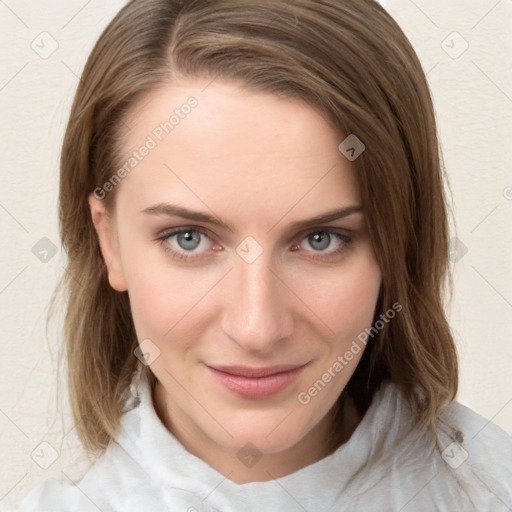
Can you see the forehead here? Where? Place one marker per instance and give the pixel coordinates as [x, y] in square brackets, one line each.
[218, 145]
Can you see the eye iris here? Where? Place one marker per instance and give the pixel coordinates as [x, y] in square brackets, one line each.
[188, 240]
[320, 240]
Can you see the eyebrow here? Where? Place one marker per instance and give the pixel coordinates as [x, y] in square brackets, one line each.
[172, 210]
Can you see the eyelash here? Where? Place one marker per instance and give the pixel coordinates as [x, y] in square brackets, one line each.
[333, 255]
[327, 256]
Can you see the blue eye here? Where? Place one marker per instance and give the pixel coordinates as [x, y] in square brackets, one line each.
[321, 240]
[191, 243]
[188, 240]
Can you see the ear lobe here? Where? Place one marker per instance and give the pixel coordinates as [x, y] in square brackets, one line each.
[107, 237]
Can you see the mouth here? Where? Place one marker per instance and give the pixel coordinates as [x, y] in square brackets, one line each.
[256, 383]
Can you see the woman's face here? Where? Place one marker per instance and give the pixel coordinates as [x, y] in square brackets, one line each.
[253, 301]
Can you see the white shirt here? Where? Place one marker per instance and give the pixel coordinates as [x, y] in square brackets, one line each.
[386, 465]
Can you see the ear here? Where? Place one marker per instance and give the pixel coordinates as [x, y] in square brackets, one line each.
[109, 245]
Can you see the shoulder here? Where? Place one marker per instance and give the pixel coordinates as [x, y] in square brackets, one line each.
[54, 495]
[466, 466]
[476, 453]
[107, 486]
[480, 436]
[470, 465]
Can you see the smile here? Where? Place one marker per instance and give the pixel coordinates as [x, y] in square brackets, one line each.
[256, 383]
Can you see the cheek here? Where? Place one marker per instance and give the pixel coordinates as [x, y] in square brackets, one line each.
[160, 302]
[153, 308]
[164, 299]
[345, 300]
[347, 309]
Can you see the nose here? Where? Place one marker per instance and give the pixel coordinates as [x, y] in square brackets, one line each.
[257, 313]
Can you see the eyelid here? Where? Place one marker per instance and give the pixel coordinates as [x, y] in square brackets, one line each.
[326, 229]
[347, 236]
[167, 233]
[181, 229]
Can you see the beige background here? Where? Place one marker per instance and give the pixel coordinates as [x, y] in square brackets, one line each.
[466, 49]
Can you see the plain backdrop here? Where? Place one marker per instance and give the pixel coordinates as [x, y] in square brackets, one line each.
[465, 48]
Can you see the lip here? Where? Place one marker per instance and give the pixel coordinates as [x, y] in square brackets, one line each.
[256, 383]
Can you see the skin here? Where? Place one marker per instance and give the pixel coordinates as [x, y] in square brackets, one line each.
[260, 163]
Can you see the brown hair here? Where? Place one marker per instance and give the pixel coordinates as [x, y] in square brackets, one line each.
[347, 58]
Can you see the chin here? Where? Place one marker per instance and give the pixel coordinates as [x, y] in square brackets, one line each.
[271, 434]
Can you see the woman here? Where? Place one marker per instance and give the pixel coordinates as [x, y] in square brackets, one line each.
[252, 204]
